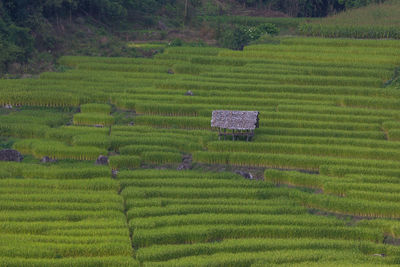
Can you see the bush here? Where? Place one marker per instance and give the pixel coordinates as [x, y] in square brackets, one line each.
[176, 42]
[237, 37]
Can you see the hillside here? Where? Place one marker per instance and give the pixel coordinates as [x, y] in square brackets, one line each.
[33, 35]
[373, 21]
[324, 161]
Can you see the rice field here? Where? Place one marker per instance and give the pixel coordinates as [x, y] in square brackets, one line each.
[327, 148]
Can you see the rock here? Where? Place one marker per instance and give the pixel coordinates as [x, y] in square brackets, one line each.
[102, 160]
[10, 155]
[162, 26]
[186, 163]
[47, 159]
[7, 106]
[246, 175]
[99, 126]
[190, 93]
[170, 71]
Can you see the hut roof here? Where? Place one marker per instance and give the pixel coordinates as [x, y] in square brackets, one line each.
[235, 120]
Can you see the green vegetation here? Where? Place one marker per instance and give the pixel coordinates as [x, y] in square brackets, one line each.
[327, 144]
[372, 21]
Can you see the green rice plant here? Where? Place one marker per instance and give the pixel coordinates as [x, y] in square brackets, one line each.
[64, 239]
[193, 182]
[371, 179]
[321, 117]
[351, 48]
[112, 261]
[127, 162]
[174, 122]
[284, 161]
[64, 173]
[187, 68]
[340, 189]
[40, 99]
[166, 109]
[165, 252]
[122, 67]
[301, 79]
[206, 51]
[394, 135]
[30, 116]
[300, 149]
[139, 149]
[302, 257]
[58, 150]
[220, 209]
[341, 171]
[341, 42]
[151, 174]
[349, 206]
[368, 102]
[348, 142]
[93, 119]
[23, 205]
[191, 234]
[234, 219]
[95, 184]
[25, 146]
[311, 56]
[197, 193]
[210, 60]
[274, 67]
[347, 31]
[374, 196]
[93, 140]
[75, 60]
[61, 151]
[66, 250]
[156, 140]
[67, 133]
[335, 110]
[278, 198]
[68, 196]
[59, 215]
[295, 178]
[23, 130]
[390, 227]
[368, 135]
[95, 108]
[320, 125]
[161, 157]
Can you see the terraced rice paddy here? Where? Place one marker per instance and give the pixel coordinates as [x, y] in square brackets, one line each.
[328, 145]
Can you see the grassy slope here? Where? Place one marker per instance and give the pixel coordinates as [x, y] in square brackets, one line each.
[386, 14]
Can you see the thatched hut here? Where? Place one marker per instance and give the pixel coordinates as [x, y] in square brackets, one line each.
[242, 123]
